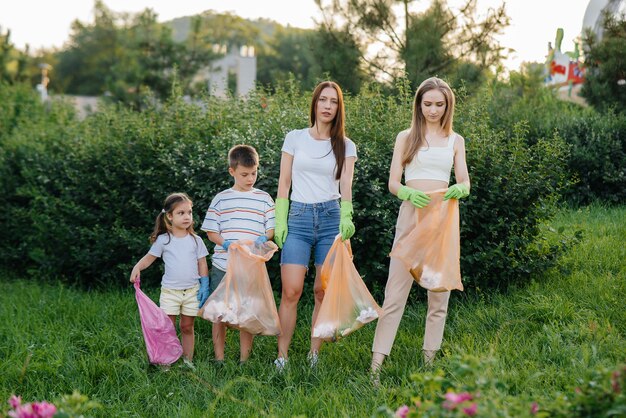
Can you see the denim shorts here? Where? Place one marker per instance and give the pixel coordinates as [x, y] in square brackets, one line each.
[215, 278]
[310, 225]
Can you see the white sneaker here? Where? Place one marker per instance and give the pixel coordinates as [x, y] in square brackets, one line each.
[375, 379]
[280, 364]
[313, 358]
[189, 364]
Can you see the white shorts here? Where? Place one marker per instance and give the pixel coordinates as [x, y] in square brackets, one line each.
[180, 301]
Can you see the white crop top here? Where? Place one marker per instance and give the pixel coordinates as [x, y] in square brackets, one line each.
[432, 163]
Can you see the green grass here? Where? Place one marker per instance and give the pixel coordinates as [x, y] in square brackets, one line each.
[536, 341]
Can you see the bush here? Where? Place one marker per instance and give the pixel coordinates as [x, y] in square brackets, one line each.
[80, 197]
[602, 394]
[597, 141]
[17, 103]
[465, 390]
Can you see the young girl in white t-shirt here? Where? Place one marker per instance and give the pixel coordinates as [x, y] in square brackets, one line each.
[184, 254]
[317, 164]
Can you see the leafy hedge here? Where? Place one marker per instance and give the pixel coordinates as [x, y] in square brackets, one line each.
[597, 140]
[461, 393]
[80, 197]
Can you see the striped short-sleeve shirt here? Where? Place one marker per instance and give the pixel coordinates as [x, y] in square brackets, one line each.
[238, 215]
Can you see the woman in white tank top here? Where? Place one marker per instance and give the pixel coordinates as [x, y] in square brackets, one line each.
[426, 153]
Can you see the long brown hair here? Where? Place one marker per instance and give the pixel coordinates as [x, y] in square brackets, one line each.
[417, 133]
[337, 130]
[162, 224]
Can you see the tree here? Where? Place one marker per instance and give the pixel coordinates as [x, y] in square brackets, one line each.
[14, 64]
[228, 29]
[287, 53]
[418, 44]
[85, 65]
[309, 56]
[128, 56]
[146, 58]
[338, 54]
[605, 60]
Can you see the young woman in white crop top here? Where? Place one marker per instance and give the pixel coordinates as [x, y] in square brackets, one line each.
[426, 153]
[317, 164]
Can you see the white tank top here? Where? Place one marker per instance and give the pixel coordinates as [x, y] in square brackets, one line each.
[432, 163]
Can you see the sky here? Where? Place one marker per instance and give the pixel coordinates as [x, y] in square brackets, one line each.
[534, 23]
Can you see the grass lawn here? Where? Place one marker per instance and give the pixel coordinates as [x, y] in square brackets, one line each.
[535, 342]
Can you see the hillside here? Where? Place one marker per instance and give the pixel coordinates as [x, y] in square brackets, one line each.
[181, 26]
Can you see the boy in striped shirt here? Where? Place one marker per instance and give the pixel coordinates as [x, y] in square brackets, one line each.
[240, 212]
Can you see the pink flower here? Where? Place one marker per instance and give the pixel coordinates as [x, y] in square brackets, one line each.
[30, 410]
[15, 401]
[23, 411]
[448, 405]
[534, 408]
[615, 381]
[44, 409]
[471, 410]
[402, 412]
[458, 398]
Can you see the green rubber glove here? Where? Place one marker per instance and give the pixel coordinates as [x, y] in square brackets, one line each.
[282, 212]
[457, 191]
[346, 227]
[418, 198]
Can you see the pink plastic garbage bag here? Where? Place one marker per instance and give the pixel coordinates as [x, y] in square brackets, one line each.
[244, 299]
[158, 330]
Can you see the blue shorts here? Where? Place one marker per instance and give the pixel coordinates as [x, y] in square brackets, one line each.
[310, 225]
[216, 276]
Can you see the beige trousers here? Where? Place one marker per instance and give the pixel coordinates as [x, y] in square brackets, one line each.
[397, 292]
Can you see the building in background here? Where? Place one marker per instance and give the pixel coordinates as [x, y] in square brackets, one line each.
[234, 72]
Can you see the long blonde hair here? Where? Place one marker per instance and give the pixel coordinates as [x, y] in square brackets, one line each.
[417, 133]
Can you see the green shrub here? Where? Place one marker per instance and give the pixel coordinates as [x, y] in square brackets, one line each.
[464, 389]
[515, 186]
[603, 394]
[597, 140]
[17, 102]
[81, 196]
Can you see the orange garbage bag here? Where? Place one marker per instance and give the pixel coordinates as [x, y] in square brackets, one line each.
[347, 304]
[431, 249]
[244, 299]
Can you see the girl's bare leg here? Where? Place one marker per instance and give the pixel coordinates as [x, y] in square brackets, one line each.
[186, 331]
[292, 277]
[316, 343]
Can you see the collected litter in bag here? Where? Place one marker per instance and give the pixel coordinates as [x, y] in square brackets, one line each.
[159, 333]
[431, 250]
[244, 299]
[347, 304]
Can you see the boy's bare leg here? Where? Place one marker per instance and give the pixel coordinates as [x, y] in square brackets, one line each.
[219, 340]
[245, 345]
